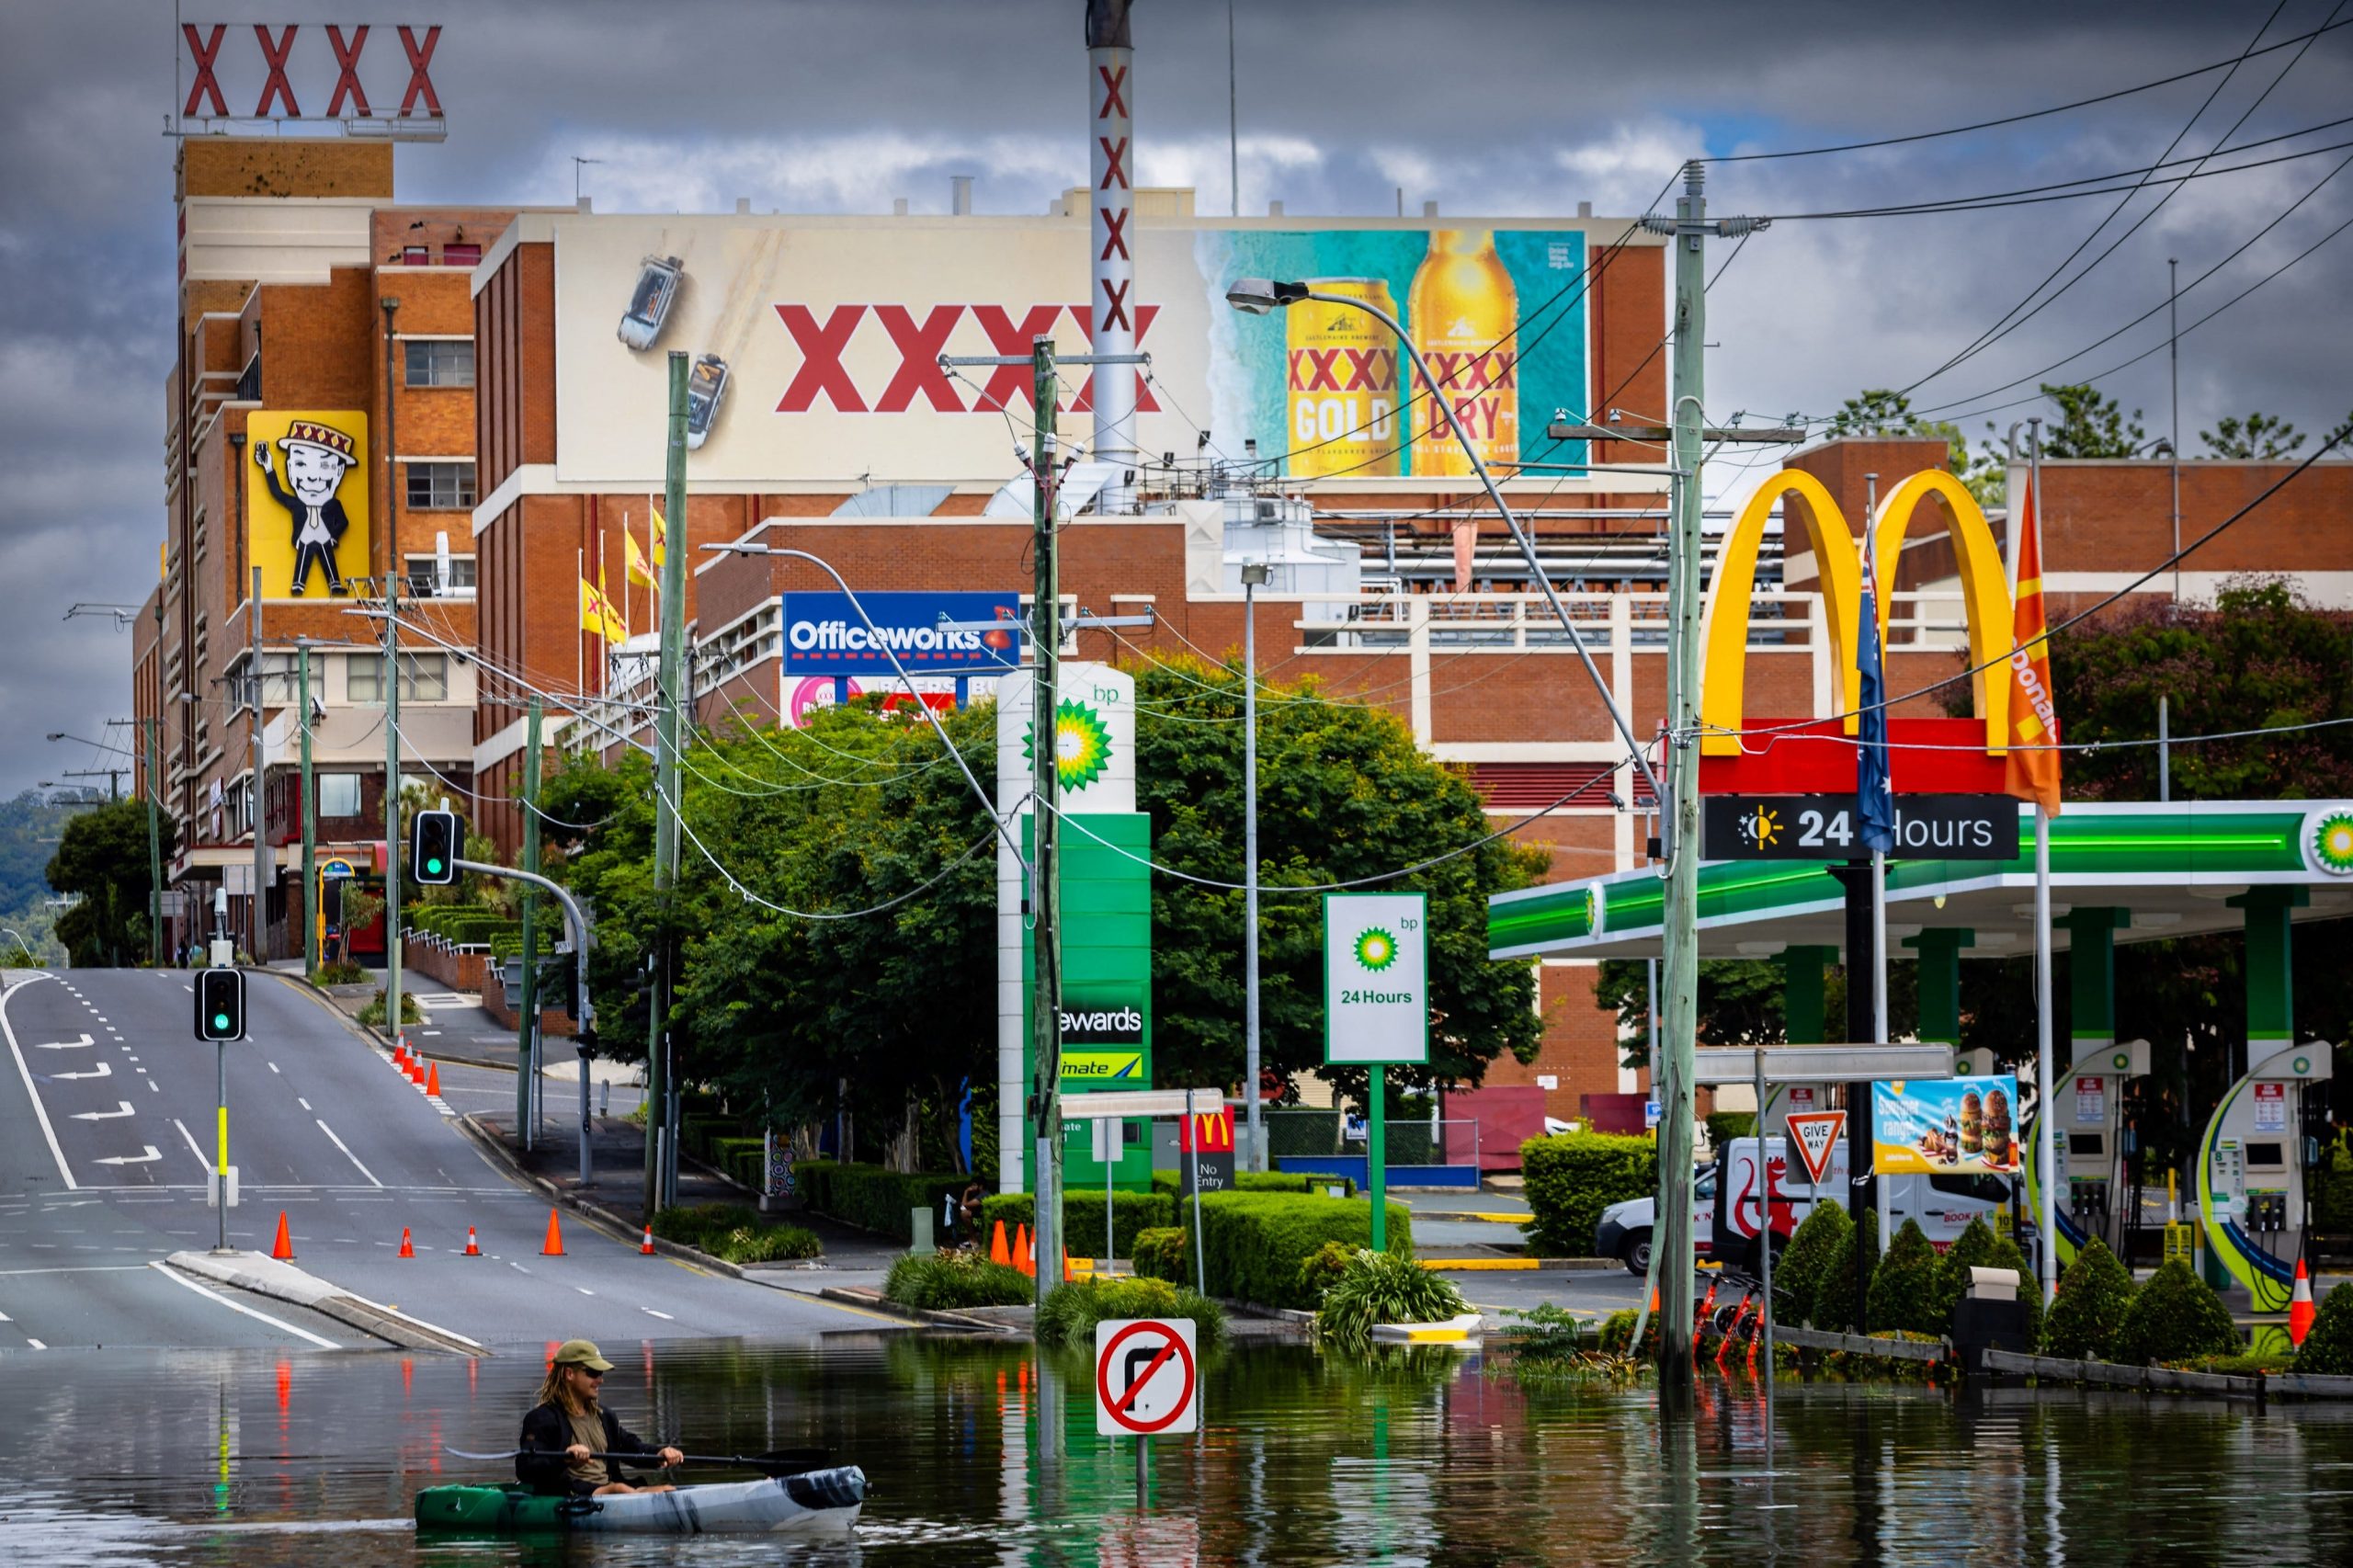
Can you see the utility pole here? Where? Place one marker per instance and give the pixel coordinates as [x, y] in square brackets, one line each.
[261, 842]
[658, 1090]
[148, 729]
[1681, 980]
[310, 816]
[2173, 442]
[526, 1034]
[392, 798]
[1253, 574]
[1045, 867]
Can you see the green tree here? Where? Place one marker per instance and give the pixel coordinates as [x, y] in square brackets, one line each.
[2257, 436]
[101, 860]
[1904, 1287]
[2089, 425]
[1881, 411]
[2087, 1316]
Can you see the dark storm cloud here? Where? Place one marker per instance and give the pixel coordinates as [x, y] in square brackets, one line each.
[1486, 106]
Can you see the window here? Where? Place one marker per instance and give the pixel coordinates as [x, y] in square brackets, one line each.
[461, 255]
[425, 577]
[417, 255]
[425, 677]
[281, 686]
[338, 794]
[440, 363]
[441, 486]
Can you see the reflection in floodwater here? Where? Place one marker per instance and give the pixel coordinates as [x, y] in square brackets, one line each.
[983, 1453]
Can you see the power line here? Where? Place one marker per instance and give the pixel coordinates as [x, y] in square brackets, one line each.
[2031, 114]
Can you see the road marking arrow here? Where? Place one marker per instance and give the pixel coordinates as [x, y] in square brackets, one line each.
[100, 1071]
[103, 1115]
[152, 1154]
[66, 1044]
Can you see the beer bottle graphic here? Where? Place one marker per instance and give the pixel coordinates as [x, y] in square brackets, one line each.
[1459, 312]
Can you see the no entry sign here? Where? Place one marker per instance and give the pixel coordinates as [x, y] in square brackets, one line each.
[1146, 1381]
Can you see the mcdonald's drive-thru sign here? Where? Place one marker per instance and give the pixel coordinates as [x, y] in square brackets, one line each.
[1782, 757]
[1207, 1136]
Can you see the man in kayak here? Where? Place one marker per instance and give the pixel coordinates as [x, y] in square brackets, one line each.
[568, 1428]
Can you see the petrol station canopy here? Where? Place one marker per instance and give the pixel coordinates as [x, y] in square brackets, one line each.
[2175, 868]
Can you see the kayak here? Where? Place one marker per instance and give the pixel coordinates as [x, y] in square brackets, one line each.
[816, 1502]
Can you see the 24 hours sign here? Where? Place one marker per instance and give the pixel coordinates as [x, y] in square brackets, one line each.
[1376, 978]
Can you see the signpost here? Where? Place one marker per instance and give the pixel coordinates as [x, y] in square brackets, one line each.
[1146, 1382]
[1375, 1008]
[1815, 1133]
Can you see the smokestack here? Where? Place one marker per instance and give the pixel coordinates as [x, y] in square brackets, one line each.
[1110, 59]
[960, 195]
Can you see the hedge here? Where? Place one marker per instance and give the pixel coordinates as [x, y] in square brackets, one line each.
[1255, 1242]
[1164, 1254]
[873, 1199]
[1972, 1249]
[1572, 1177]
[1723, 1126]
[1172, 1182]
[945, 1281]
[2176, 1317]
[1083, 1217]
[1070, 1311]
[2328, 1348]
[2087, 1316]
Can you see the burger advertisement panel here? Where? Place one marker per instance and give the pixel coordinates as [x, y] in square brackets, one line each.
[1946, 1127]
[817, 343]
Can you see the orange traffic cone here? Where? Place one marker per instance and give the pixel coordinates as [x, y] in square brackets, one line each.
[433, 1081]
[554, 1245]
[1067, 1275]
[400, 1057]
[646, 1247]
[2300, 1308]
[407, 1248]
[283, 1248]
[1022, 1257]
[473, 1247]
[416, 1071]
[997, 1252]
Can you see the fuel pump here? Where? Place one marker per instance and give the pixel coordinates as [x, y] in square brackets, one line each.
[2254, 1165]
[2088, 1146]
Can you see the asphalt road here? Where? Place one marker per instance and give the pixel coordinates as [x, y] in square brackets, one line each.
[107, 1116]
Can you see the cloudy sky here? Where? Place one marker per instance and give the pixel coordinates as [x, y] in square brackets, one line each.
[1492, 106]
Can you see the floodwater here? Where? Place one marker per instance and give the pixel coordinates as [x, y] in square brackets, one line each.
[259, 1459]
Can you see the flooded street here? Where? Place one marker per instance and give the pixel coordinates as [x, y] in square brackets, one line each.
[247, 1458]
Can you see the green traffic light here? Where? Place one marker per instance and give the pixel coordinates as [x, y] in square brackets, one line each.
[221, 1021]
[433, 866]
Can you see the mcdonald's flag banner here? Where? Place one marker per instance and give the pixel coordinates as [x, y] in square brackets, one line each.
[2031, 772]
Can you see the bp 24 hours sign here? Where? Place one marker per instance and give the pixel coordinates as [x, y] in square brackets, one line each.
[1827, 827]
[1376, 978]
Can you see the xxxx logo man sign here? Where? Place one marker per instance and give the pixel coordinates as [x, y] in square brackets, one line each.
[1810, 513]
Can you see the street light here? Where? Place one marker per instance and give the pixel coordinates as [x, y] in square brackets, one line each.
[1257, 296]
[1254, 576]
[84, 740]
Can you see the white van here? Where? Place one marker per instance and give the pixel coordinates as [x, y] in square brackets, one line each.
[1726, 1219]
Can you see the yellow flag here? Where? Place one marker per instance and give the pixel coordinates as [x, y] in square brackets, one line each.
[639, 571]
[661, 537]
[597, 615]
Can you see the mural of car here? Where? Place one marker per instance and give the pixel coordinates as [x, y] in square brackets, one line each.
[650, 301]
[705, 388]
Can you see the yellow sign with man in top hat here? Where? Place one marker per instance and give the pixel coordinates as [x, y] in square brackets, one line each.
[306, 503]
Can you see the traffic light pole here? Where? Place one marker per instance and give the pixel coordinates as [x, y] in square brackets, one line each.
[309, 818]
[527, 1040]
[584, 938]
[392, 800]
[667, 696]
[221, 1171]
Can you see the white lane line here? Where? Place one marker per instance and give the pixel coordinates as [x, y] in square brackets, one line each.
[36, 1343]
[154, 1085]
[5, 1318]
[300, 1101]
[193, 1146]
[41, 1112]
[178, 1279]
[273, 1066]
[649, 1312]
[77, 1043]
[347, 1153]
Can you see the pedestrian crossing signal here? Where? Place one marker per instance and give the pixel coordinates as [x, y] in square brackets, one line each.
[433, 845]
[220, 1005]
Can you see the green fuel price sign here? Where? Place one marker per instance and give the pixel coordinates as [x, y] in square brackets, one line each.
[1376, 978]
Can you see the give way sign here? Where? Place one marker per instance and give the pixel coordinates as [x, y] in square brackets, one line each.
[1146, 1381]
[1815, 1133]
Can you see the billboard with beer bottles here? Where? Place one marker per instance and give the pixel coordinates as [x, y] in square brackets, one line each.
[817, 340]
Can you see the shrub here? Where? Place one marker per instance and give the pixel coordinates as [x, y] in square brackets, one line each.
[2329, 1347]
[1378, 1288]
[1973, 1248]
[736, 1233]
[1723, 1126]
[944, 1281]
[1834, 1294]
[1799, 1271]
[343, 971]
[873, 1199]
[2007, 1254]
[371, 1013]
[2087, 1315]
[1164, 1253]
[1324, 1267]
[1132, 1213]
[1547, 1333]
[1172, 1182]
[1070, 1311]
[2174, 1317]
[1904, 1287]
[1618, 1333]
[1255, 1242]
[1572, 1177]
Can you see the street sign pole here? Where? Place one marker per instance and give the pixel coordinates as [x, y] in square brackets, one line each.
[1376, 1151]
[1376, 1010]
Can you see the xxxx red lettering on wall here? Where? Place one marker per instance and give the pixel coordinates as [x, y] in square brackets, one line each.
[916, 343]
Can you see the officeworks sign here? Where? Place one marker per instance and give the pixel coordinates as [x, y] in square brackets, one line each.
[824, 634]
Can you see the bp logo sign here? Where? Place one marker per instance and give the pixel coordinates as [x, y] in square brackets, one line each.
[1082, 745]
[1376, 950]
[1593, 909]
[2329, 841]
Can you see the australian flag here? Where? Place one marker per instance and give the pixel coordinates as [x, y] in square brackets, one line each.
[1874, 791]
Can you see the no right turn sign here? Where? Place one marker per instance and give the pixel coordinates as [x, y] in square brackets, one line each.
[1146, 1381]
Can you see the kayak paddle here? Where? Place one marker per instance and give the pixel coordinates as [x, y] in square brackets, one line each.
[800, 1459]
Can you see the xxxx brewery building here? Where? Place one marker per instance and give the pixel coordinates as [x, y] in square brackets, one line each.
[482, 393]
